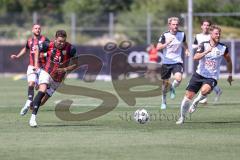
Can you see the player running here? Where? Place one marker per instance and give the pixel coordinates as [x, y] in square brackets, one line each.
[201, 37]
[205, 78]
[172, 43]
[58, 52]
[58, 76]
[32, 44]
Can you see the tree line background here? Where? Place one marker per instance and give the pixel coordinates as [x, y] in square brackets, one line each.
[127, 13]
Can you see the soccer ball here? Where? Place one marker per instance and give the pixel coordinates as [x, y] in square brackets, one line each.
[141, 116]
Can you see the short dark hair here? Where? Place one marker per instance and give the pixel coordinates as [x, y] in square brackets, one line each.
[61, 33]
[36, 24]
[206, 20]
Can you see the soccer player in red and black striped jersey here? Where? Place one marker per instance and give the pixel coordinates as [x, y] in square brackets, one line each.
[58, 52]
[32, 44]
[58, 76]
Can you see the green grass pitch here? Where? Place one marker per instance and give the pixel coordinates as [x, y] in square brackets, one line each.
[212, 132]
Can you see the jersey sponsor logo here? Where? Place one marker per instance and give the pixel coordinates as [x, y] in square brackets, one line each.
[210, 64]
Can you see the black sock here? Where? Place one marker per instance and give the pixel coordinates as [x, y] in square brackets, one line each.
[37, 102]
[30, 93]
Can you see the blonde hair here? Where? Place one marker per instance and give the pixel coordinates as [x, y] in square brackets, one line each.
[172, 19]
[212, 27]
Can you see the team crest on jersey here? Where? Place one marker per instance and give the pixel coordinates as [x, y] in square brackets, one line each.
[218, 53]
[57, 59]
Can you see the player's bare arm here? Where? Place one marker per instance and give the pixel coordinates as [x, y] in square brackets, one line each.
[200, 55]
[185, 46]
[20, 54]
[67, 69]
[229, 67]
[161, 46]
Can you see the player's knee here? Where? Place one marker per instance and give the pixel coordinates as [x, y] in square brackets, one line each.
[189, 95]
[178, 78]
[206, 89]
[42, 88]
[31, 84]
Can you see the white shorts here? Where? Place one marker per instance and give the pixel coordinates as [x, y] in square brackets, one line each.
[31, 74]
[43, 77]
[53, 85]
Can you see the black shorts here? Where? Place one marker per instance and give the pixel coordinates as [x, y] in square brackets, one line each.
[168, 69]
[197, 81]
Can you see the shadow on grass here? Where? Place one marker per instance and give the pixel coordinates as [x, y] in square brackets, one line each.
[226, 104]
[218, 122]
[69, 125]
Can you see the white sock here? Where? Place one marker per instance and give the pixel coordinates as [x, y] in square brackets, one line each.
[27, 104]
[217, 89]
[184, 106]
[29, 101]
[175, 84]
[33, 117]
[199, 98]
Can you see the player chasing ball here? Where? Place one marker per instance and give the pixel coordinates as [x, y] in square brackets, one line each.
[172, 43]
[59, 52]
[202, 37]
[209, 54]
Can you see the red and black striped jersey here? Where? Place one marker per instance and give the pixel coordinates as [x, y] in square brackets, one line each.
[57, 58]
[31, 43]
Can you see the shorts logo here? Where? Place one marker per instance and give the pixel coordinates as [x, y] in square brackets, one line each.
[199, 49]
[213, 83]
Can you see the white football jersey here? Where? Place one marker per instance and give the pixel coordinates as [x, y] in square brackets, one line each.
[209, 65]
[172, 53]
[201, 38]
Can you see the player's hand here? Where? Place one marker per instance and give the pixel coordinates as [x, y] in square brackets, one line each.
[61, 70]
[230, 79]
[187, 53]
[13, 56]
[169, 40]
[209, 50]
